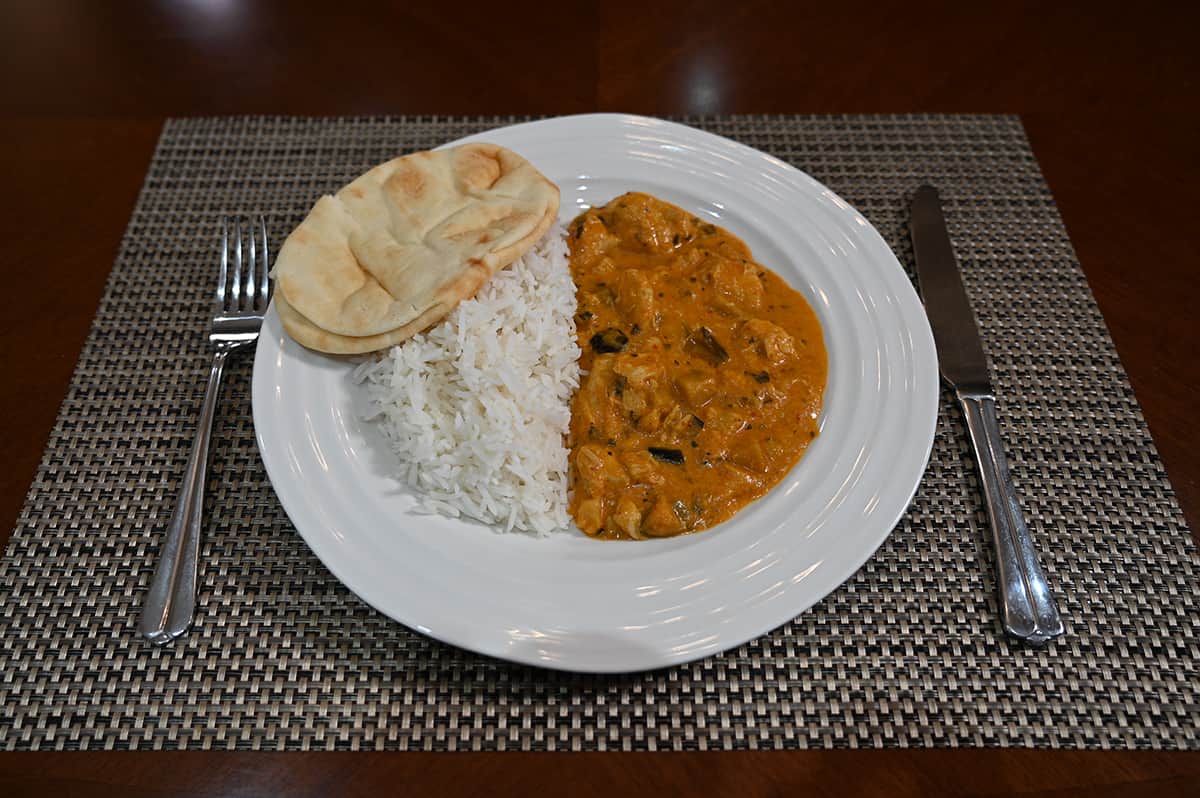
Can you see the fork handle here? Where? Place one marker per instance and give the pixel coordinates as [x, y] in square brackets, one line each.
[1026, 604]
[171, 602]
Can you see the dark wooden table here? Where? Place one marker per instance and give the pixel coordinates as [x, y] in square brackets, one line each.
[1108, 93]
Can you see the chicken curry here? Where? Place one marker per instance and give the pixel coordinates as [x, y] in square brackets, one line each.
[703, 369]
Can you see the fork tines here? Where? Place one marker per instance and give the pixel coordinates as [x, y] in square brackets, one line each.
[249, 287]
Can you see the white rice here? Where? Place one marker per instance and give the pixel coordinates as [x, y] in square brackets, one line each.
[477, 408]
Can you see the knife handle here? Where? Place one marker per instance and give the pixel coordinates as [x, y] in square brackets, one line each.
[1026, 605]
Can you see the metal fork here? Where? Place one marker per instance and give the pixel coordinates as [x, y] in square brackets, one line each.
[241, 302]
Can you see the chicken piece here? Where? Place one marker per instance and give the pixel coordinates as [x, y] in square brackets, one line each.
[640, 369]
[627, 517]
[769, 394]
[734, 475]
[642, 467]
[661, 411]
[734, 286]
[687, 258]
[590, 515]
[676, 421]
[633, 399]
[654, 419]
[652, 225]
[639, 380]
[678, 424]
[697, 387]
[769, 341]
[596, 469]
[662, 520]
[635, 298]
[722, 423]
[595, 404]
[750, 455]
[591, 241]
[650, 421]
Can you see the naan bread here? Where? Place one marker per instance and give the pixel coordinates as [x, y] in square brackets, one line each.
[307, 334]
[399, 247]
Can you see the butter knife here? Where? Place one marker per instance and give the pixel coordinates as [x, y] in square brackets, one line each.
[1026, 604]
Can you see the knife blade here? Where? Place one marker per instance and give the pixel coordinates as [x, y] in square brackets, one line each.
[1027, 606]
[960, 352]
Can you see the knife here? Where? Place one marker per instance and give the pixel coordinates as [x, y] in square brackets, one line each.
[1026, 604]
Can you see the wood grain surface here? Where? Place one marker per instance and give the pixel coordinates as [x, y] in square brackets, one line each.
[1108, 93]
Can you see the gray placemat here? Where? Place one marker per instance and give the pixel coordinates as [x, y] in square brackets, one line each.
[907, 653]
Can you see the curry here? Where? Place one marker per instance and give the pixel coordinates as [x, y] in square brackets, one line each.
[704, 372]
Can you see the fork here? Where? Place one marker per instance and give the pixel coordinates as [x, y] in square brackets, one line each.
[241, 302]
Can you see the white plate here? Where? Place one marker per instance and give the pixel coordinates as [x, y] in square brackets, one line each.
[573, 603]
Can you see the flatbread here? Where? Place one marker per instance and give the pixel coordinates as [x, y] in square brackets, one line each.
[407, 241]
[307, 334]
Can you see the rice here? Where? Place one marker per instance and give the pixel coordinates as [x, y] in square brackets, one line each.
[476, 409]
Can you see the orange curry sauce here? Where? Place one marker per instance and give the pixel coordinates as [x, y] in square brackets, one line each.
[703, 371]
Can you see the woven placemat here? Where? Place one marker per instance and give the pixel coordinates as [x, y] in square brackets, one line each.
[907, 653]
